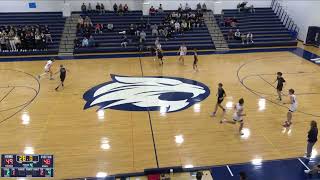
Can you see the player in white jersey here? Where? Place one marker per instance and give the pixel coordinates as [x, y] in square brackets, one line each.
[183, 52]
[238, 115]
[293, 107]
[47, 69]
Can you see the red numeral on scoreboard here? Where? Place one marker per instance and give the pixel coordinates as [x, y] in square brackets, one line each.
[9, 161]
[47, 161]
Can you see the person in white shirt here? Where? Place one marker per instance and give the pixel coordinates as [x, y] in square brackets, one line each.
[177, 26]
[237, 35]
[293, 107]
[47, 69]
[183, 51]
[249, 38]
[238, 115]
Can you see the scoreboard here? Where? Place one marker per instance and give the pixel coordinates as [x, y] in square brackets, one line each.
[14, 165]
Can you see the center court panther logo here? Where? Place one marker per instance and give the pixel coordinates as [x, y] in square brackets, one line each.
[146, 94]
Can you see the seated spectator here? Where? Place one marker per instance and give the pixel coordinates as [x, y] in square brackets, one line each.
[80, 22]
[230, 35]
[124, 41]
[125, 8]
[204, 7]
[17, 42]
[160, 9]
[143, 36]
[314, 170]
[98, 28]
[120, 9]
[89, 8]
[249, 38]
[98, 8]
[156, 42]
[237, 35]
[177, 26]
[184, 26]
[85, 42]
[115, 7]
[91, 42]
[110, 27]
[251, 9]
[102, 9]
[154, 30]
[152, 11]
[77, 42]
[83, 8]
[243, 38]
[132, 29]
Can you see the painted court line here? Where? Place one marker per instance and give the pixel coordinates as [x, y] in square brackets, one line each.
[303, 164]
[229, 170]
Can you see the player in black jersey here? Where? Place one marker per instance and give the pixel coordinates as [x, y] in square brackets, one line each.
[160, 56]
[220, 94]
[280, 84]
[195, 60]
[63, 73]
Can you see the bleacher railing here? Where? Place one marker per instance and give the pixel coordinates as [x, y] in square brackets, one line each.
[285, 18]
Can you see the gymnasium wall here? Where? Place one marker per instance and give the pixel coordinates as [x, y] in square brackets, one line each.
[57, 5]
[305, 13]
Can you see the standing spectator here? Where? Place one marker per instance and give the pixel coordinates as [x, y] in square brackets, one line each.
[38, 41]
[230, 35]
[47, 34]
[180, 9]
[160, 9]
[11, 40]
[98, 8]
[83, 8]
[204, 7]
[152, 11]
[124, 41]
[177, 27]
[120, 9]
[187, 8]
[115, 7]
[102, 9]
[89, 8]
[85, 42]
[199, 173]
[199, 7]
[251, 9]
[237, 35]
[312, 138]
[249, 38]
[17, 42]
[125, 8]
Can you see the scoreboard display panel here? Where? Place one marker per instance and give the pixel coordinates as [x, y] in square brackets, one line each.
[14, 165]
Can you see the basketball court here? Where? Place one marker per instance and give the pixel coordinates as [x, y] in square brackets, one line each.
[37, 119]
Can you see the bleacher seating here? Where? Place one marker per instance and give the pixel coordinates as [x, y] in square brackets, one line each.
[266, 27]
[54, 20]
[110, 41]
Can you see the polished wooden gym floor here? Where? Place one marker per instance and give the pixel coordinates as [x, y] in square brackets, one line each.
[37, 119]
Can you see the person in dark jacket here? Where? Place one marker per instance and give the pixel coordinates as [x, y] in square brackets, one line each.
[312, 138]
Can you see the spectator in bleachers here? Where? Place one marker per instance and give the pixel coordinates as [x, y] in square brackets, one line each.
[177, 27]
[85, 42]
[242, 6]
[243, 37]
[160, 9]
[11, 40]
[77, 42]
[187, 8]
[91, 42]
[314, 170]
[152, 11]
[204, 7]
[98, 28]
[230, 35]
[237, 35]
[120, 9]
[243, 175]
[143, 36]
[249, 38]
[47, 34]
[110, 27]
[115, 7]
[180, 8]
[89, 8]
[80, 22]
[125, 8]
[251, 9]
[124, 41]
[199, 7]
[98, 8]
[102, 9]
[38, 40]
[83, 8]
[184, 26]
[154, 30]
[17, 41]
[132, 29]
